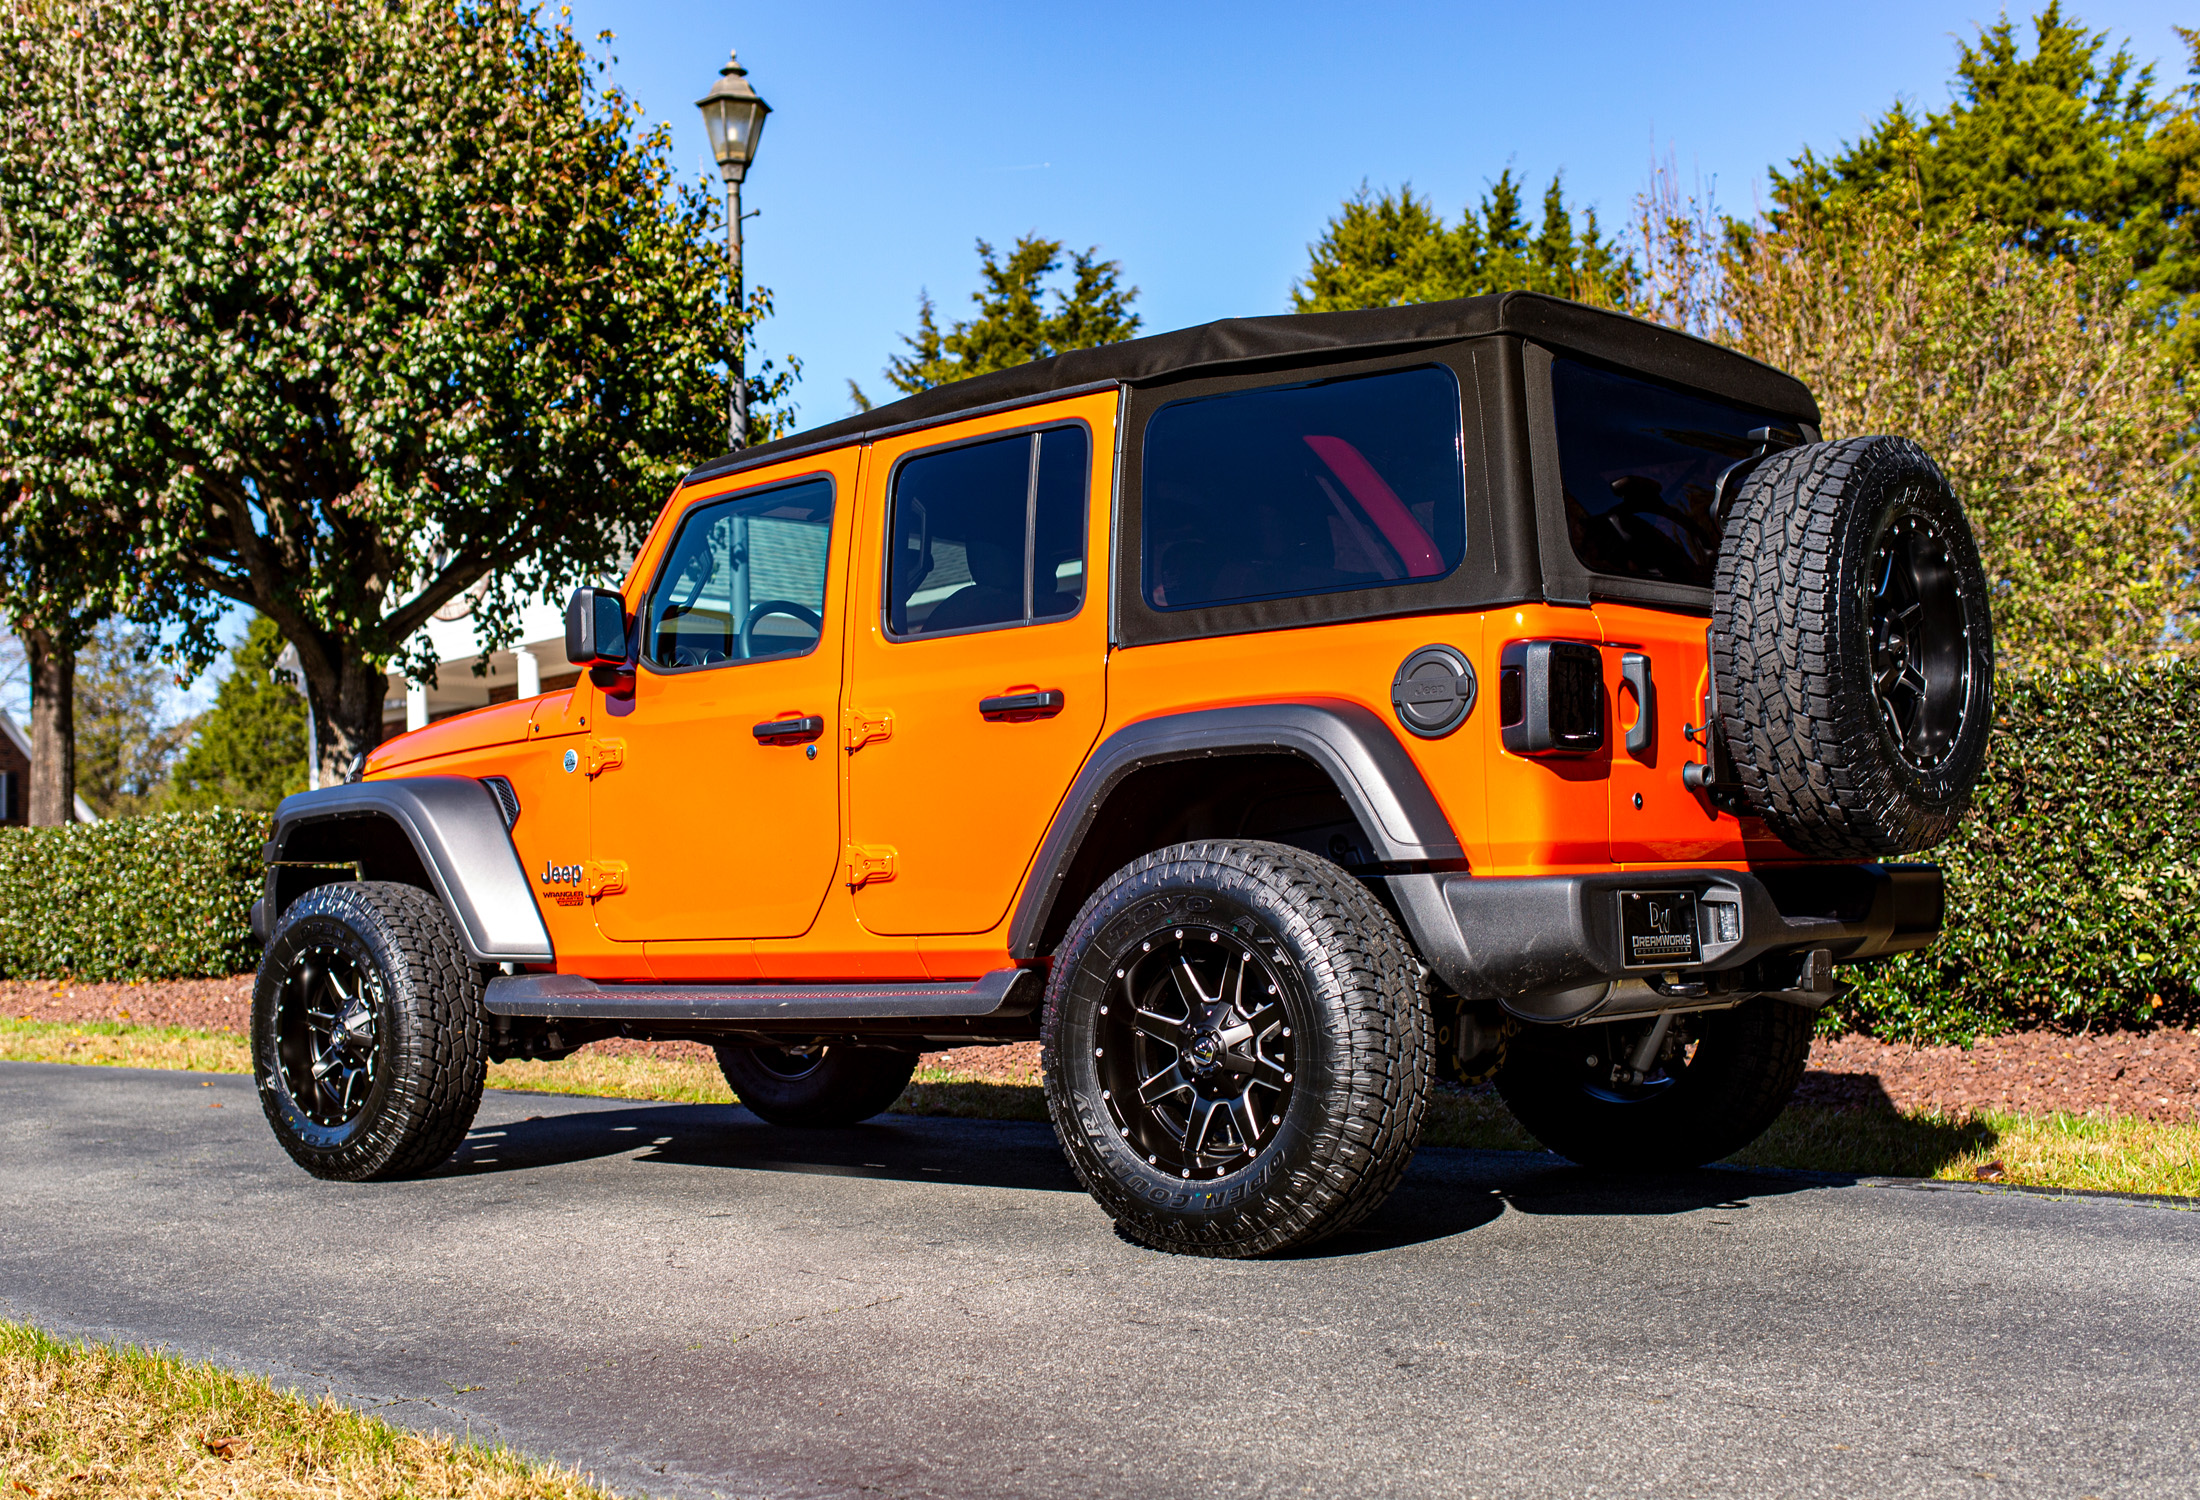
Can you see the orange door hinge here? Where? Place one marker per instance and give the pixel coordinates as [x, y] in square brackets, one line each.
[600, 756]
[603, 877]
[868, 863]
[864, 728]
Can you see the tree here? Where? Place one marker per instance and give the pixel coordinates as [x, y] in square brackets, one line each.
[126, 739]
[1392, 249]
[249, 749]
[2054, 405]
[335, 310]
[1014, 324]
[2065, 152]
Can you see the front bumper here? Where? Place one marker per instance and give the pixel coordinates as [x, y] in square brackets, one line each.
[1548, 947]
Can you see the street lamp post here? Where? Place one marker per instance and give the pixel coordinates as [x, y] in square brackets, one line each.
[734, 116]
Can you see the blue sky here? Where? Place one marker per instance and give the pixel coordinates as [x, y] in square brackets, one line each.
[1204, 145]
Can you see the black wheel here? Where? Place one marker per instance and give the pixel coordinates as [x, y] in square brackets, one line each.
[815, 1086]
[1853, 649]
[1236, 1048]
[1712, 1084]
[368, 1034]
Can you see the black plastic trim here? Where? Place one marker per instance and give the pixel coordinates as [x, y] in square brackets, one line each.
[1377, 778]
[457, 829]
[1004, 993]
[1534, 943]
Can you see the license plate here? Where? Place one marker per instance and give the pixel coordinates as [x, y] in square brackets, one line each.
[1658, 929]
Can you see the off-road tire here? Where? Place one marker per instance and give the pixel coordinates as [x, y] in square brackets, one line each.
[1356, 1003]
[1745, 1065]
[428, 1053]
[1795, 657]
[842, 1086]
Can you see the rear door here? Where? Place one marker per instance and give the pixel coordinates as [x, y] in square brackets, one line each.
[977, 658]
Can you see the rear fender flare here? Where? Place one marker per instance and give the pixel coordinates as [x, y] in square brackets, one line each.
[1371, 770]
[456, 828]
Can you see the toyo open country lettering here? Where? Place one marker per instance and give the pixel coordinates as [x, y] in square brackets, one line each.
[1270, 717]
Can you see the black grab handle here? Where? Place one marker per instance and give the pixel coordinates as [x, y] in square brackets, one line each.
[790, 731]
[1023, 705]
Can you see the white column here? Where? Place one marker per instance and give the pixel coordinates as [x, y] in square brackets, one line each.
[416, 706]
[530, 672]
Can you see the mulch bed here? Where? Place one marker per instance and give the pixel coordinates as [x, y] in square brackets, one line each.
[2151, 1074]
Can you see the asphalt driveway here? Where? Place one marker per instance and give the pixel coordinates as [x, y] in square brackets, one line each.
[686, 1301]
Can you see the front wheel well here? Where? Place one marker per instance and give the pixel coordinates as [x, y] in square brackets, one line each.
[1278, 796]
[369, 847]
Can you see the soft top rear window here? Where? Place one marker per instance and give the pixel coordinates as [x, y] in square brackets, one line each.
[1303, 489]
[1640, 462]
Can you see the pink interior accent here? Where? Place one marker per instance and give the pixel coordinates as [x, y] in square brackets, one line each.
[1382, 505]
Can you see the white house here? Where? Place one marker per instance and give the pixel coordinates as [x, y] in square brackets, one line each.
[535, 664]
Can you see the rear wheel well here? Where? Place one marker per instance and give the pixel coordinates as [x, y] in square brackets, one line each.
[323, 852]
[1274, 795]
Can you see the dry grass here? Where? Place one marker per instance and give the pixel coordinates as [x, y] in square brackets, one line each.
[80, 1419]
[2108, 1153]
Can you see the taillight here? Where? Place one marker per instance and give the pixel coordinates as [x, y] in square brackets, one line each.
[1550, 698]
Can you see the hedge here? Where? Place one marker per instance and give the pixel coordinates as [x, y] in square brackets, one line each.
[163, 897]
[2071, 883]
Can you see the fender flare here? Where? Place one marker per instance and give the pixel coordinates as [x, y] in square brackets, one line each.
[458, 831]
[1377, 778]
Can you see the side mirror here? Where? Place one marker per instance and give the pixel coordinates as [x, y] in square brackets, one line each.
[595, 628]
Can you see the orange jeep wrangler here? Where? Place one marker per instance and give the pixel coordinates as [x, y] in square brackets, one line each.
[1270, 717]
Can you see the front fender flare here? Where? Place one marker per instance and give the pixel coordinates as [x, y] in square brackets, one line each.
[1377, 778]
[458, 831]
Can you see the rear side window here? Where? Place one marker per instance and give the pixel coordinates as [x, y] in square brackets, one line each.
[1303, 489]
[989, 534]
[745, 579]
[1640, 463]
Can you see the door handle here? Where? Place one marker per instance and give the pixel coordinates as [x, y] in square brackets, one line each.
[1634, 670]
[1015, 707]
[789, 731]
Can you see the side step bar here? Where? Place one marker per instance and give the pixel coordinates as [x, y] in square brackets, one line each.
[1004, 992]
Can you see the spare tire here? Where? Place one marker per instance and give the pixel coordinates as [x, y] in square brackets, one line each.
[1851, 647]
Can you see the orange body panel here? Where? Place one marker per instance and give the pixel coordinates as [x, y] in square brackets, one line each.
[723, 836]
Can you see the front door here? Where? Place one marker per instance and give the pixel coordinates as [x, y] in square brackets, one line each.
[978, 659]
[716, 784]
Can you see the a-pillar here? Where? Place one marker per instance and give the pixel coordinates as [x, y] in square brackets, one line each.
[530, 672]
[416, 706]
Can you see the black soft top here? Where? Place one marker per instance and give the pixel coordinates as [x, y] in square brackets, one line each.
[1260, 345]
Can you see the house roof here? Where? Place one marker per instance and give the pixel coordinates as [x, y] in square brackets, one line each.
[1257, 344]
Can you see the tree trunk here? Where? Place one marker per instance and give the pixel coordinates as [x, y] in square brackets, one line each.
[53, 730]
[346, 702]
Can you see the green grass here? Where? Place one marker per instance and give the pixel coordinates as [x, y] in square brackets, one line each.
[80, 1419]
[2108, 1153]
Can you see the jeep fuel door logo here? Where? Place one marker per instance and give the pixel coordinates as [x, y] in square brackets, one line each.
[560, 874]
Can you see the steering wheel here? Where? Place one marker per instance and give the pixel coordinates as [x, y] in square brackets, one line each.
[788, 607]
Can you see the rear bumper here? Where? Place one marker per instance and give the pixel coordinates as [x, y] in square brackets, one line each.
[1548, 947]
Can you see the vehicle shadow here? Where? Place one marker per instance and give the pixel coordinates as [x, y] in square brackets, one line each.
[1448, 1191]
[977, 1153]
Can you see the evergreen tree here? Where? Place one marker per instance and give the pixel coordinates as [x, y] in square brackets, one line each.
[1391, 249]
[125, 738]
[250, 747]
[1015, 322]
[2065, 152]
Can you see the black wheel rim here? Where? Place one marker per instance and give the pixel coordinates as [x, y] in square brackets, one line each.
[789, 1063]
[328, 1034]
[1920, 644]
[1194, 1051]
